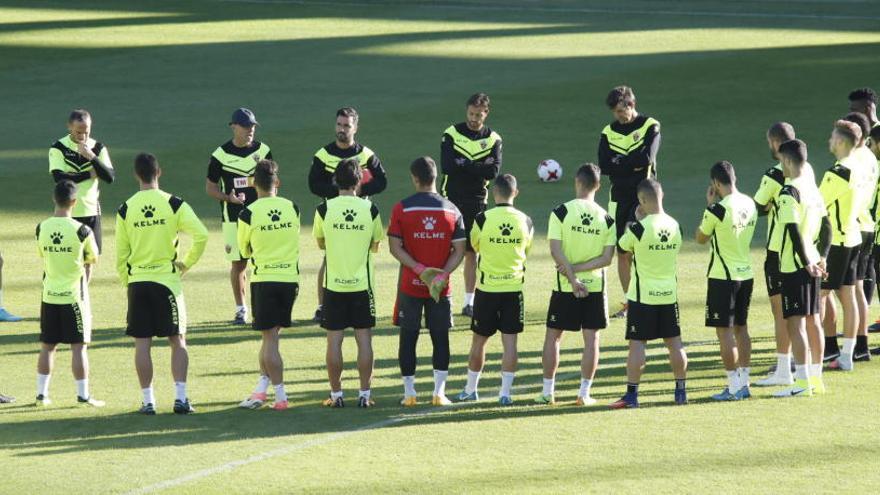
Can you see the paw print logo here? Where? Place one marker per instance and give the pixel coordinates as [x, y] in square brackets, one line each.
[349, 215]
[275, 215]
[429, 222]
[56, 237]
[664, 235]
[586, 219]
[148, 211]
[506, 229]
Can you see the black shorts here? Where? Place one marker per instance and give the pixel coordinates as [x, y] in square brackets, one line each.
[800, 294]
[624, 212]
[469, 211]
[343, 310]
[65, 323]
[415, 313]
[497, 312]
[94, 223]
[772, 275]
[841, 267]
[154, 311]
[567, 312]
[652, 321]
[864, 259]
[272, 303]
[727, 302]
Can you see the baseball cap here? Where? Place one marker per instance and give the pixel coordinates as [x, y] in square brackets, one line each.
[243, 117]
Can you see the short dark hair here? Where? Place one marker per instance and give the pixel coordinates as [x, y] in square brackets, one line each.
[588, 175]
[723, 172]
[478, 100]
[505, 184]
[849, 130]
[348, 112]
[79, 115]
[650, 187]
[875, 134]
[795, 150]
[860, 120]
[781, 131]
[863, 94]
[65, 192]
[620, 94]
[347, 174]
[424, 170]
[266, 174]
[146, 167]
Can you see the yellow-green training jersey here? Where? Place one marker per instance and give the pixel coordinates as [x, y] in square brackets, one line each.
[65, 246]
[768, 191]
[585, 229]
[65, 162]
[349, 226]
[654, 241]
[147, 228]
[502, 236]
[268, 234]
[731, 225]
[801, 204]
[838, 190]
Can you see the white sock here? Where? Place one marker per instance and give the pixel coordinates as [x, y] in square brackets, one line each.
[262, 385]
[506, 383]
[440, 377]
[180, 391]
[149, 398]
[732, 381]
[468, 298]
[335, 395]
[849, 346]
[743, 376]
[585, 388]
[280, 394]
[816, 370]
[800, 372]
[783, 364]
[409, 386]
[549, 385]
[240, 307]
[43, 384]
[473, 379]
[364, 393]
[82, 388]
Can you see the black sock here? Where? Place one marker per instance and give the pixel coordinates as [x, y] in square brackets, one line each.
[861, 344]
[679, 384]
[831, 346]
[632, 389]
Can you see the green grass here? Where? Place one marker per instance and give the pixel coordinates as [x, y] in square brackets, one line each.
[163, 76]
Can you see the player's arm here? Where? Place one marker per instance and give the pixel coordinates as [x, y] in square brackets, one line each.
[645, 155]
[488, 167]
[607, 158]
[713, 214]
[243, 235]
[123, 247]
[476, 230]
[771, 183]
[37, 235]
[379, 181]
[378, 231]
[318, 225]
[823, 243]
[630, 237]
[321, 181]
[212, 184]
[101, 163]
[529, 234]
[451, 163]
[607, 255]
[56, 168]
[835, 183]
[90, 248]
[190, 224]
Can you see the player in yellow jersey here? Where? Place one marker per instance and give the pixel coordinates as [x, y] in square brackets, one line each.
[66, 247]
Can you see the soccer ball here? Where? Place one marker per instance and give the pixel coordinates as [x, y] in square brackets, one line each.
[549, 171]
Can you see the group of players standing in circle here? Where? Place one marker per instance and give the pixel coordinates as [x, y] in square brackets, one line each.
[814, 234]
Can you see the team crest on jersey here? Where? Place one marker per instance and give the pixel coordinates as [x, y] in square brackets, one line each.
[274, 215]
[664, 235]
[56, 237]
[429, 222]
[636, 136]
[256, 157]
[483, 144]
[586, 219]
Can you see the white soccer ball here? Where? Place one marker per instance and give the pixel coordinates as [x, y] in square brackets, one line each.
[549, 170]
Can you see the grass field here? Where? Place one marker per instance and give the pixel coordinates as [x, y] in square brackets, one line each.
[163, 76]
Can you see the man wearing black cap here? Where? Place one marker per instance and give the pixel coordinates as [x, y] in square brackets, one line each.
[231, 181]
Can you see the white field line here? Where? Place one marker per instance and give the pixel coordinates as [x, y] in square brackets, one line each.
[333, 437]
[567, 10]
